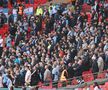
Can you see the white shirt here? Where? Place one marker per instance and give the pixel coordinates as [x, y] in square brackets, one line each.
[55, 71]
[28, 77]
[1, 85]
[1, 42]
[96, 88]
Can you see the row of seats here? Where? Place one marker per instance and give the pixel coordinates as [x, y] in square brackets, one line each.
[87, 77]
[91, 87]
[103, 87]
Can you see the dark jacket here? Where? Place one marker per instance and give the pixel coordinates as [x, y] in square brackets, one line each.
[78, 70]
[95, 66]
[35, 78]
[70, 72]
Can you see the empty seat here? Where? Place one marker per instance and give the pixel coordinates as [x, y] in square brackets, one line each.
[47, 86]
[88, 77]
[59, 84]
[74, 81]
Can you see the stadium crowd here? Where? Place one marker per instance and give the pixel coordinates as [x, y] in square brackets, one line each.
[56, 43]
[4, 3]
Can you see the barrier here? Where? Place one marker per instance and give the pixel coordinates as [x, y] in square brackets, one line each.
[71, 83]
[14, 89]
[88, 78]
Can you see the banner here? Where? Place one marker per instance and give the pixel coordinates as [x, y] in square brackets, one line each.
[28, 11]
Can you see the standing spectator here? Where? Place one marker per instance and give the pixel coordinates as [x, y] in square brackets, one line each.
[1, 45]
[55, 75]
[95, 68]
[47, 75]
[27, 76]
[78, 70]
[1, 81]
[20, 11]
[55, 33]
[7, 79]
[70, 72]
[2, 68]
[11, 18]
[106, 58]
[8, 41]
[100, 62]
[64, 76]
[35, 77]
[1, 20]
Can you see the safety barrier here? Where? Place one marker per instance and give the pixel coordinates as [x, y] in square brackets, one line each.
[73, 81]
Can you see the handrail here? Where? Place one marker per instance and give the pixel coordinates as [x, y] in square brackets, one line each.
[97, 73]
[73, 86]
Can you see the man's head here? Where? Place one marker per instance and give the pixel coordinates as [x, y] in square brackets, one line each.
[26, 68]
[46, 66]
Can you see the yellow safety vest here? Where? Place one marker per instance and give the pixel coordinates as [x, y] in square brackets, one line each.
[63, 78]
[39, 11]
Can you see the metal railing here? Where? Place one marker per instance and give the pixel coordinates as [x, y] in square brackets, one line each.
[73, 82]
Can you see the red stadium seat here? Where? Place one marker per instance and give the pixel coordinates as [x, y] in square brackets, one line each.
[59, 84]
[74, 81]
[47, 87]
[88, 77]
[91, 87]
[101, 75]
[105, 87]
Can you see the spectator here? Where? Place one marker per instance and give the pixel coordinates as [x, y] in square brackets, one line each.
[35, 77]
[27, 76]
[1, 79]
[64, 76]
[1, 46]
[47, 75]
[70, 72]
[100, 63]
[54, 36]
[95, 67]
[55, 74]
[2, 68]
